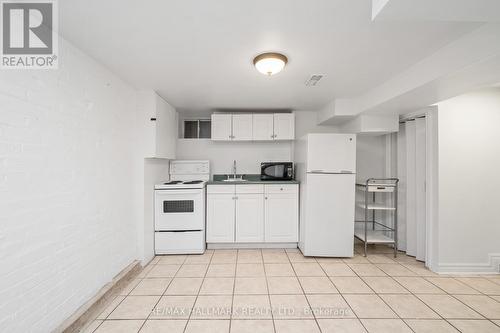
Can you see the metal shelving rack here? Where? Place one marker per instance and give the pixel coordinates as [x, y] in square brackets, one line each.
[371, 231]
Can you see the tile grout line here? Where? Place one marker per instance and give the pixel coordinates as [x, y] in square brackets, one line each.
[268, 291]
[341, 295]
[305, 296]
[124, 297]
[159, 299]
[234, 287]
[376, 294]
[454, 297]
[362, 278]
[415, 295]
[198, 293]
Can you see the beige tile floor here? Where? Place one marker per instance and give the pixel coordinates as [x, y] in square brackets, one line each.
[260, 291]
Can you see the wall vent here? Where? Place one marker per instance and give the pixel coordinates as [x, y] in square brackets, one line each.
[314, 79]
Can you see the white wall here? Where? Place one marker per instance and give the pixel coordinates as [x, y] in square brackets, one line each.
[248, 155]
[155, 171]
[370, 163]
[469, 164]
[370, 157]
[307, 122]
[67, 184]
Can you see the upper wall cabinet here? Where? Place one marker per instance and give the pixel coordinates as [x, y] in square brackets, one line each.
[222, 127]
[242, 127]
[159, 126]
[263, 126]
[256, 127]
[284, 126]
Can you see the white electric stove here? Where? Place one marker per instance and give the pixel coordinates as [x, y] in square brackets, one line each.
[180, 208]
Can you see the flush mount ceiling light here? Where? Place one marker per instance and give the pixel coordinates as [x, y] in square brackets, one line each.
[270, 63]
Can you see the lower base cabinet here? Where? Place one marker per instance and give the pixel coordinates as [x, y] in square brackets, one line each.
[249, 218]
[220, 213]
[252, 213]
[282, 217]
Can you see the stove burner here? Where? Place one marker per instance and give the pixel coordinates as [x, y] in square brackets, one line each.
[172, 182]
[193, 182]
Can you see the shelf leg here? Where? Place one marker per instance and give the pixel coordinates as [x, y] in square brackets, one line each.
[373, 213]
[366, 219]
[395, 217]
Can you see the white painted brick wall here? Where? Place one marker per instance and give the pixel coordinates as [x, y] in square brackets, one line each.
[67, 184]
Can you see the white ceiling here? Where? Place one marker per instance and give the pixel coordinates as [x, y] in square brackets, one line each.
[198, 54]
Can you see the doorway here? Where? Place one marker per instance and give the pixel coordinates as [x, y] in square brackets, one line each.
[416, 156]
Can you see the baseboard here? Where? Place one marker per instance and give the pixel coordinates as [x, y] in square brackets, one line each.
[212, 246]
[92, 308]
[491, 267]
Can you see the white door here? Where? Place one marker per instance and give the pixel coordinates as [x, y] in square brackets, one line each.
[411, 224]
[420, 177]
[263, 126]
[284, 126]
[220, 218]
[249, 218]
[401, 167]
[281, 222]
[242, 127]
[221, 127]
[331, 153]
[412, 191]
[329, 218]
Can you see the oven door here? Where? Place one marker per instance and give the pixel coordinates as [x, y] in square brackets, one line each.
[179, 209]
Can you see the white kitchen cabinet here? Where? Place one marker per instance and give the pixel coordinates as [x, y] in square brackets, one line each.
[252, 213]
[222, 127]
[220, 217]
[256, 127]
[284, 126]
[242, 127]
[263, 128]
[281, 216]
[166, 129]
[249, 218]
[158, 121]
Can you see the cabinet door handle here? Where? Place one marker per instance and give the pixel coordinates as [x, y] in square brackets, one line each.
[152, 119]
[265, 198]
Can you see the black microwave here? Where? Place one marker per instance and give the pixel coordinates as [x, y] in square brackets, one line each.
[276, 171]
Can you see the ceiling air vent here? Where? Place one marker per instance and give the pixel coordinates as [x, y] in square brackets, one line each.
[314, 79]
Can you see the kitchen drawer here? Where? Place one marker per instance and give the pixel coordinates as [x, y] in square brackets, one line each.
[285, 188]
[250, 188]
[380, 188]
[172, 242]
[220, 189]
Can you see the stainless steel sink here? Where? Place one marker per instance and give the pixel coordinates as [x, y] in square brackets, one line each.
[234, 180]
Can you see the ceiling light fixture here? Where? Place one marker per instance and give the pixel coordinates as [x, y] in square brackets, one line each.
[270, 63]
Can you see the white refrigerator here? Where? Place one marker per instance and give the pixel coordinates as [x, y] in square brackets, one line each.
[326, 168]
